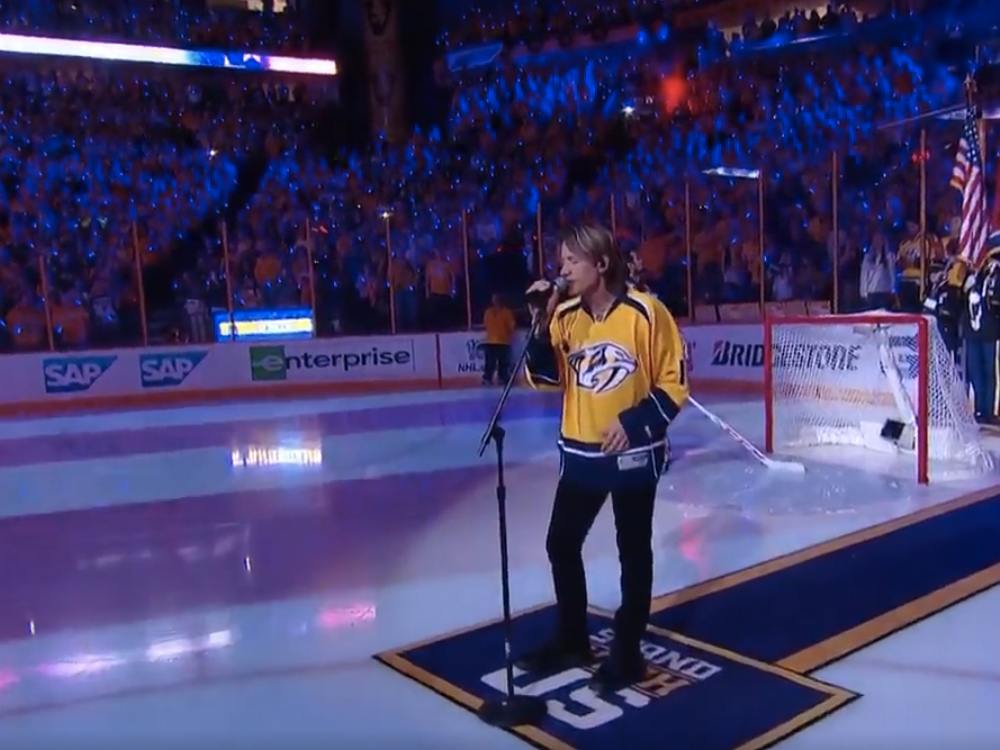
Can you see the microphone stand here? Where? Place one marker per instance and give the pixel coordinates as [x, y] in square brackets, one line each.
[511, 710]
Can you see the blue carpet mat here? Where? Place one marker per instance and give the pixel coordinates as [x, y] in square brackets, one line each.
[698, 695]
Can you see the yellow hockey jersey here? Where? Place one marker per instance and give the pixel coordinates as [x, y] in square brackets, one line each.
[629, 367]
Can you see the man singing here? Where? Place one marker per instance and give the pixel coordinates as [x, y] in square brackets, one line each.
[618, 357]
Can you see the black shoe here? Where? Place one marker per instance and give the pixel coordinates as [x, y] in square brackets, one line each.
[555, 657]
[616, 674]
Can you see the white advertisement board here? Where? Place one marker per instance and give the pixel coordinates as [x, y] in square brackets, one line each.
[463, 354]
[65, 376]
[344, 360]
[836, 355]
[731, 352]
[222, 367]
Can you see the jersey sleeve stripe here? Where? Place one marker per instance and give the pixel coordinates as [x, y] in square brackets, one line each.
[542, 363]
[664, 405]
[644, 311]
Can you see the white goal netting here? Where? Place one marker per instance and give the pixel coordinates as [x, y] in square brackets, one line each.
[839, 380]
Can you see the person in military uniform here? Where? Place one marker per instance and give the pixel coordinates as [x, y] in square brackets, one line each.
[910, 250]
[981, 333]
[946, 301]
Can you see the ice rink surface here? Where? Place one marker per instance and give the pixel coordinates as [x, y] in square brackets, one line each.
[227, 572]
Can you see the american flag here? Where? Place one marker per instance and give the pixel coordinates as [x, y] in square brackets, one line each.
[967, 177]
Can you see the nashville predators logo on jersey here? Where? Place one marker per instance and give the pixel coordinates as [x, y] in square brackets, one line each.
[602, 367]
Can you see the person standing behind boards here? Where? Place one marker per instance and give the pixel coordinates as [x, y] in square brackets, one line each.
[878, 275]
[500, 324]
[946, 301]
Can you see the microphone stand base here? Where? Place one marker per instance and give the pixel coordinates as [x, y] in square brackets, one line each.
[513, 711]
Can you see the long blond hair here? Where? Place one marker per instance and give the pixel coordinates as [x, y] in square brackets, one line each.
[595, 243]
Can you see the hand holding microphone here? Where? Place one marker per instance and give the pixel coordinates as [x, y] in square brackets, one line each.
[543, 297]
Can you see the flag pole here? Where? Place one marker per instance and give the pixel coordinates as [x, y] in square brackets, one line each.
[923, 213]
[970, 93]
[932, 114]
[968, 178]
[991, 217]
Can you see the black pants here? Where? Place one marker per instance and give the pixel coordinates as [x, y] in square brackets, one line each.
[497, 362]
[982, 362]
[573, 515]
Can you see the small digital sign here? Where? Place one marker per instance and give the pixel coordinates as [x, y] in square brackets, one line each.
[256, 325]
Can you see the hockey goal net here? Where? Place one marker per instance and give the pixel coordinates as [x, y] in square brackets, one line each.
[881, 381]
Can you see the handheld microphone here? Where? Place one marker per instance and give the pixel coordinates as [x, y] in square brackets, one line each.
[540, 298]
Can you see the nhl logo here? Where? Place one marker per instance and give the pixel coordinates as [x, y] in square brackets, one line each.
[475, 357]
[476, 350]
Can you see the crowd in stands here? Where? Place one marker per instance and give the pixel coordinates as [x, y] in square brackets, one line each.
[101, 174]
[185, 23]
[99, 171]
[534, 24]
